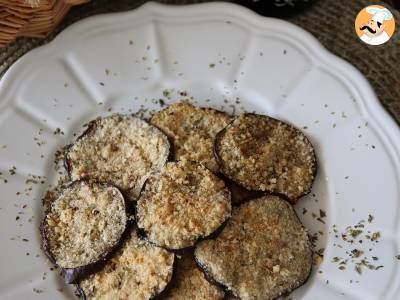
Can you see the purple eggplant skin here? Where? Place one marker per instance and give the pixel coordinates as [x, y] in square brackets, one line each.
[230, 296]
[210, 279]
[73, 275]
[208, 276]
[80, 293]
[239, 194]
[76, 274]
[92, 125]
[143, 234]
[220, 163]
[89, 130]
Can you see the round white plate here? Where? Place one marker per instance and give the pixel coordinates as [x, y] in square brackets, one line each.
[223, 56]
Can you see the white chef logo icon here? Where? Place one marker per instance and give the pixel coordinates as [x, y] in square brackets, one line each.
[373, 32]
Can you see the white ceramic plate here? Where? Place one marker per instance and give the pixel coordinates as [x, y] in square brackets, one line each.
[219, 54]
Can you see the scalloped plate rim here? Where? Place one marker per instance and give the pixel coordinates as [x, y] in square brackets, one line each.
[370, 103]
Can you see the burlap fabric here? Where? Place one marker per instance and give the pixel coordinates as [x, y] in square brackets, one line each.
[331, 21]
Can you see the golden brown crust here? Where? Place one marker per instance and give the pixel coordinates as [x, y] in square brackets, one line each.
[84, 224]
[192, 130]
[138, 271]
[119, 149]
[265, 154]
[262, 253]
[182, 203]
[189, 282]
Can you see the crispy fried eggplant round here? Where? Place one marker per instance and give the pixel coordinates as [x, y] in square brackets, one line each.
[182, 203]
[264, 154]
[119, 149]
[262, 253]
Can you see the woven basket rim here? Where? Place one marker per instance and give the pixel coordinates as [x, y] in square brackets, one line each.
[31, 18]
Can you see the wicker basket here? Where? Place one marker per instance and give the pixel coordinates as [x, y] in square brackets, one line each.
[31, 18]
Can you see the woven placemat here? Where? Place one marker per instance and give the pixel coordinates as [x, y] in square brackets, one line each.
[331, 21]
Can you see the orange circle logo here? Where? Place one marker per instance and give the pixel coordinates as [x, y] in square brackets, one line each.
[375, 25]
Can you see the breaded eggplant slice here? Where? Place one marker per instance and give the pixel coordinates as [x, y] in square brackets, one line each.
[138, 270]
[230, 297]
[262, 253]
[182, 203]
[119, 149]
[192, 131]
[189, 282]
[264, 154]
[83, 225]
